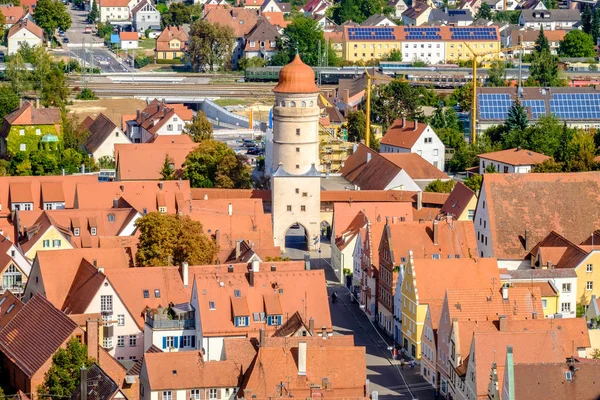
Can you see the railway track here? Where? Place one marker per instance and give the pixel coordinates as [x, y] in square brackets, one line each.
[176, 89]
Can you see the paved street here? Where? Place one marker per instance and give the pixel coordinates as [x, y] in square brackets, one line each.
[384, 373]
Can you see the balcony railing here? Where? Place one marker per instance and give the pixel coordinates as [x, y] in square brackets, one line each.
[171, 323]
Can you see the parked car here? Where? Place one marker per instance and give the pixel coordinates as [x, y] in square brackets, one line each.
[88, 29]
[65, 40]
[249, 143]
[253, 151]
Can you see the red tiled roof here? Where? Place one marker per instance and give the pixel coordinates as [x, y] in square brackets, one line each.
[515, 157]
[129, 36]
[144, 161]
[11, 13]
[171, 33]
[26, 23]
[34, 334]
[458, 200]
[10, 305]
[415, 166]
[242, 20]
[403, 133]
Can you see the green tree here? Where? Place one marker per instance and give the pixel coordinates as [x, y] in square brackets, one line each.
[577, 44]
[214, 164]
[254, 62]
[43, 163]
[595, 30]
[544, 71]
[485, 12]
[474, 182]
[210, 44]
[439, 186]
[200, 128]
[358, 10]
[451, 138]
[463, 96]
[74, 134]
[9, 101]
[54, 92]
[438, 119]
[497, 73]
[62, 378]
[587, 15]
[516, 117]
[541, 43]
[2, 26]
[563, 152]
[394, 55]
[17, 74]
[178, 14]
[167, 171]
[543, 137]
[395, 100]
[170, 239]
[70, 161]
[548, 166]
[93, 14]
[452, 121]
[51, 15]
[510, 17]
[583, 149]
[551, 4]
[356, 123]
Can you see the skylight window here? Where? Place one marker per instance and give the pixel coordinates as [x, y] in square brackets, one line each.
[211, 305]
[2, 301]
[10, 308]
[237, 293]
[146, 294]
[157, 293]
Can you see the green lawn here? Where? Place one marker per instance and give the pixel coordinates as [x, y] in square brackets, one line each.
[233, 102]
[147, 44]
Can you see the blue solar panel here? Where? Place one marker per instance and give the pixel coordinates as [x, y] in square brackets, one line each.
[493, 106]
[472, 33]
[538, 107]
[580, 106]
[377, 33]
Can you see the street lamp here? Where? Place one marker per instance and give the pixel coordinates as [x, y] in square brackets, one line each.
[218, 124]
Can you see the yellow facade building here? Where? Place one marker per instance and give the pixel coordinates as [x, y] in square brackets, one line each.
[51, 239]
[171, 44]
[432, 45]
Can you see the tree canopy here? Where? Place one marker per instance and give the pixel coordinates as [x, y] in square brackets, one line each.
[485, 11]
[395, 100]
[62, 378]
[210, 45]
[439, 186]
[178, 14]
[497, 73]
[170, 239]
[358, 10]
[516, 117]
[51, 15]
[356, 123]
[214, 164]
[200, 128]
[577, 44]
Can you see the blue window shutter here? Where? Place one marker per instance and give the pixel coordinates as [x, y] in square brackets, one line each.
[164, 342]
[193, 340]
[247, 321]
[181, 341]
[176, 342]
[235, 321]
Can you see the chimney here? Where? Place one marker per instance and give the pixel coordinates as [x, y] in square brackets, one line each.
[82, 168]
[526, 239]
[368, 157]
[419, 200]
[122, 187]
[95, 262]
[435, 232]
[393, 220]
[217, 237]
[346, 96]
[416, 125]
[83, 382]
[307, 262]
[255, 265]
[20, 103]
[311, 326]
[504, 292]
[115, 203]
[237, 248]
[302, 358]
[230, 268]
[251, 278]
[230, 209]
[503, 323]
[403, 122]
[535, 315]
[37, 103]
[185, 273]
[101, 270]
[261, 337]
[92, 333]
[160, 185]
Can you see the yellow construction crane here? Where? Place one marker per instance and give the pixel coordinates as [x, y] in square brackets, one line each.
[475, 55]
[368, 111]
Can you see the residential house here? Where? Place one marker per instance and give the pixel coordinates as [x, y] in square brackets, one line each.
[429, 339]
[14, 267]
[12, 14]
[503, 5]
[145, 16]
[262, 41]
[378, 20]
[103, 388]
[272, 6]
[166, 196]
[171, 44]
[252, 4]
[104, 135]
[327, 25]
[348, 221]
[533, 5]
[158, 119]
[9, 301]
[241, 20]
[527, 38]
[416, 137]
[451, 17]
[399, 7]
[460, 204]
[562, 281]
[474, 310]
[552, 381]
[549, 19]
[28, 128]
[139, 162]
[436, 240]
[316, 7]
[128, 40]
[24, 31]
[255, 300]
[302, 366]
[511, 161]
[553, 199]
[472, 6]
[30, 338]
[185, 375]
[426, 280]
[369, 170]
[550, 346]
[416, 15]
[116, 10]
[56, 229]
[366, 255]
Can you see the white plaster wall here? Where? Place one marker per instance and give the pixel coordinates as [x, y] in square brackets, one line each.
[432, 52]
[177, 123]
[403, 182]
[158, 335]
[20, 260]
[482, 227]
[129, 44]
[483, 164]
[107, 148]
[22, 36]
[129, 328]
[434, 152]
[130, 228]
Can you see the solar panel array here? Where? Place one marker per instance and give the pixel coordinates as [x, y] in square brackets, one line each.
[474, 33]
[538, 107]
[576, 105]
[415, 33]
[493, 106]
[372, 33]
[457, 12]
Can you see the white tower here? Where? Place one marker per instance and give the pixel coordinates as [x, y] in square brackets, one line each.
[296, 180]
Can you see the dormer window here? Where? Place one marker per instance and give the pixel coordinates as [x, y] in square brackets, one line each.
[157, 293]
[162, 209]
[111, 217]
[146, 294]
[241, 321]
[76, 231]
[274, 320]
[93, 231]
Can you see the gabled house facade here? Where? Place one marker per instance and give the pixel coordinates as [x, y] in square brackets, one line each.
[24, 31]
[104, 134]
[145, 16]
[171, 44]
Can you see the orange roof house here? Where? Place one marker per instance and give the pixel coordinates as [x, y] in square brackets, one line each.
[30, 121]
[511, 160]
[11, 13]
[242, 20]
